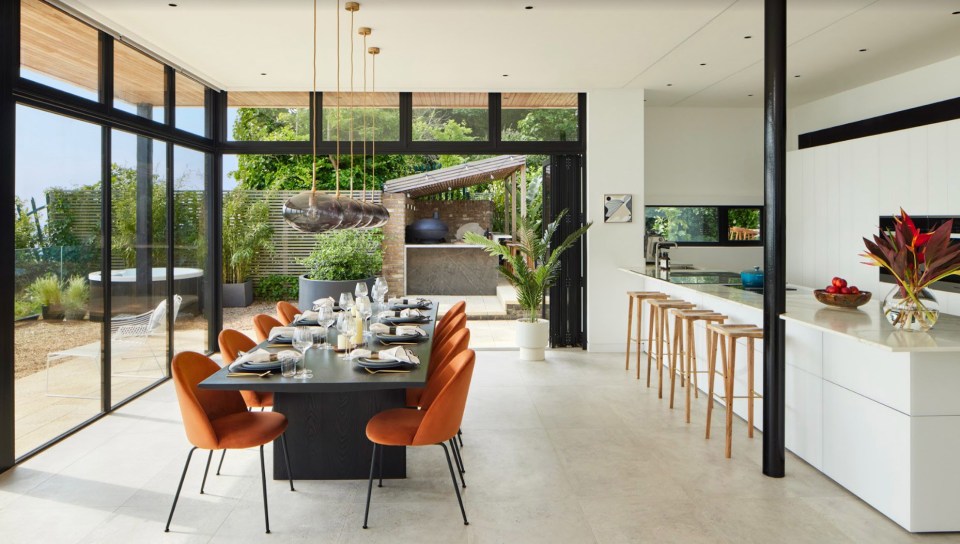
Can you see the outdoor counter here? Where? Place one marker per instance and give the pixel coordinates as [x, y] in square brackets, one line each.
[449, 269]
[873, 408]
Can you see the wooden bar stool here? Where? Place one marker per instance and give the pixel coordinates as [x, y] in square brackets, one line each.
[716, 334]
[658, 334]
[685, 348]
[638, 297]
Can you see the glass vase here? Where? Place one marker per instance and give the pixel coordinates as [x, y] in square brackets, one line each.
[907, 313]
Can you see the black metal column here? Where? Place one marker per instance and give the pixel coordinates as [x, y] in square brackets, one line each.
[9, 67]
[144, 236]
[775, 235]
[216, 108]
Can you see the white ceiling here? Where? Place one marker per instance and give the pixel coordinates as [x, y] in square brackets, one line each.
[560, 45]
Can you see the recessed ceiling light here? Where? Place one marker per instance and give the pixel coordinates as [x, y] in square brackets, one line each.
[527, 7]
[864, 50]
[263, 73]
[955, 13]
[506, 75]
[172, 5]
[747, 37]
[669, 84]
[703, 64]
[798, 75]
[749, 95]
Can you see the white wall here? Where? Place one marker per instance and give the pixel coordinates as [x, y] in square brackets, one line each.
[705, 156]
[615, 158]
[933, 83]
[835, 194]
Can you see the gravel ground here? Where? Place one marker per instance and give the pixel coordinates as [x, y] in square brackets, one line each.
[34, 339]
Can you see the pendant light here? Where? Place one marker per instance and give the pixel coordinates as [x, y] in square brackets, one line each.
[311, 211]
[369, 209]
[381, 214]
[352, 209]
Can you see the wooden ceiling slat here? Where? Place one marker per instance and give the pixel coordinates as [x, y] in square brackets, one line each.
[58, 46]
[257, 99]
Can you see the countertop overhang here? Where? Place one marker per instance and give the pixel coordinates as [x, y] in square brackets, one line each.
[865, 324]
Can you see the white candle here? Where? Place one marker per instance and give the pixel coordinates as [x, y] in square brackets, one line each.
[341, 341]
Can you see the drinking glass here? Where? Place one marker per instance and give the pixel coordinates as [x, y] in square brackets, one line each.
[288, 368]
[361, 289]
[325, 318]
[320, 336]
[346, 300]
[365, 309]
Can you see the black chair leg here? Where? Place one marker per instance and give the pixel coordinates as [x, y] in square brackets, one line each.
[382, 450]
[456, 449]
[454, 479]
[179, 487]
[223, 453]
[373, 460]
[207, 469]
[263, 478]
[460, 436]
[286, 459]
[456, 460]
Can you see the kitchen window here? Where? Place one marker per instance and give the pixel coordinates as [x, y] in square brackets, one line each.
[706, 225]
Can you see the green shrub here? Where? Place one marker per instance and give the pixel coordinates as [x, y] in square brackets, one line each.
[76, 293]
[343, 255]
[26, 306]
[277, 287]
[45, 290]
[246, 234]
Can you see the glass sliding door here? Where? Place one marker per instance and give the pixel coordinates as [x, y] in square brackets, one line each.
[190, 281]
[57, 225]
[138, 264]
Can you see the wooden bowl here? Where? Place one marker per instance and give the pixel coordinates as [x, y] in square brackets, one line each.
[839, 300]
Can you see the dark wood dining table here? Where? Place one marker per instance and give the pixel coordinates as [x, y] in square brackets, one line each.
[328, 413]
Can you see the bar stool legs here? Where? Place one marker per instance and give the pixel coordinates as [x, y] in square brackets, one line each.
[685, 351]
[636, 299]
[716, 335]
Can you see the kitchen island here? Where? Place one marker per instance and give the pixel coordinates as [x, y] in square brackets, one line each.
[873, 408]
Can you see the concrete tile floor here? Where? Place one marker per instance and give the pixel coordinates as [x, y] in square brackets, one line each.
[569, 450]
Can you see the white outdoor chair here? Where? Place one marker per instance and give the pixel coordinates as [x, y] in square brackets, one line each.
[129, 334]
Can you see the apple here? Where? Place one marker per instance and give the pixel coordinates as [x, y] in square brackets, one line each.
[845, 290]
[836, 281]
[854, 290]
[832, 289]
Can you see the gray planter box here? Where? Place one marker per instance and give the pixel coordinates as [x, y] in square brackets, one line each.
[311, 290]
[238, 295]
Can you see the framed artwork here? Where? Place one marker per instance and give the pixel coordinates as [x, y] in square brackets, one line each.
[617, 208]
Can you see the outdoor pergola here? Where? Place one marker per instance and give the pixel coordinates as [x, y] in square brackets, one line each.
[507, 168]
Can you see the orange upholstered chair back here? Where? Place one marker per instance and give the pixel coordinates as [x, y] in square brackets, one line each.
[443, 353]
[232, 342]
[442, 419]
[455, 324]
[439, 372]
[262, 324]
[200, 406]
[286, 312]
[455, 310]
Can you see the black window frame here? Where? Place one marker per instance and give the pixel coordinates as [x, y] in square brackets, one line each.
[723, 225]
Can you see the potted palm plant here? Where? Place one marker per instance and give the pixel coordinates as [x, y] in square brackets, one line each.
[339, 260]
[45, 291]
[246, 233]
[76, 294]
[531, 272]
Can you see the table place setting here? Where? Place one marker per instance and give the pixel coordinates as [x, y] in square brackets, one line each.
[281, 335]
[398, 359]
[401, 334]
[261, 363]
[396, 317]
[409, 304]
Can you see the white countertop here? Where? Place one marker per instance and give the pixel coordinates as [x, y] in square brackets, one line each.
[865, 324]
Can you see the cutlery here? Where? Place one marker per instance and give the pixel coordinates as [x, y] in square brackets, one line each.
[398, 343]
[387, 370]
[247, 374]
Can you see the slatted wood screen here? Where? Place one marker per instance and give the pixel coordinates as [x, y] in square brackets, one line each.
[290, 244]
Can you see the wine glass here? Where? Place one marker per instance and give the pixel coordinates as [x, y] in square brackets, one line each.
[346, 300]
[365, 309]
[320, 336]
[325, 318]
[361, 289]
[302, 341]
[347, 325]
[383, 289]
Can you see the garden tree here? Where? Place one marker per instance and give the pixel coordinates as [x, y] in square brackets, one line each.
[547, 124]
[24, 227]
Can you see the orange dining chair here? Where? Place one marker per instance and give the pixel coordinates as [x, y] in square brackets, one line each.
[286, 312]
[219, 420]
[232, 342]
[433, 426]
[457, 323]
[262, 324]
[440, 357]
[455, 310]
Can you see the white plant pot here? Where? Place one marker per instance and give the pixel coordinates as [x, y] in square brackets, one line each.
[532, 339]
